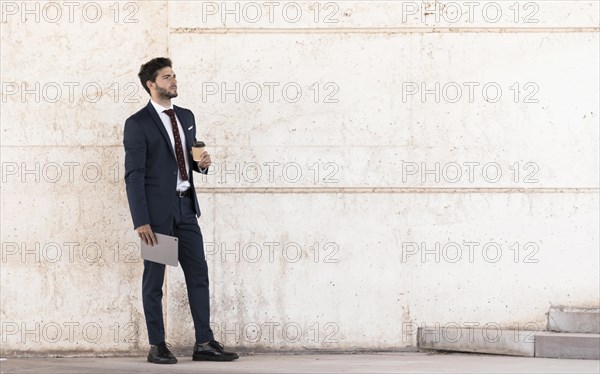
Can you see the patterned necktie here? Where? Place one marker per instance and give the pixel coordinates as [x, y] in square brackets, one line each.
[178, 147]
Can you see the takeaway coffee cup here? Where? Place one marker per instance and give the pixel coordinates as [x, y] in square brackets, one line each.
[197, 150]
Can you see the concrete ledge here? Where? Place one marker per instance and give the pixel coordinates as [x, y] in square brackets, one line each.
[567, 345]
[494, 341]
[576, 320]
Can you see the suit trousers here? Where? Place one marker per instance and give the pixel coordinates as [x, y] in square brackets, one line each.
[191, 257]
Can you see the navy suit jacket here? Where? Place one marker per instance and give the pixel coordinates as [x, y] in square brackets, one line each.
[151, 166]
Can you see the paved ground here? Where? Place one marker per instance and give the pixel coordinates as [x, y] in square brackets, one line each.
[413, 362]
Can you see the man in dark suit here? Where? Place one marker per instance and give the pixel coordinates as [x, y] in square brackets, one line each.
[162, 199]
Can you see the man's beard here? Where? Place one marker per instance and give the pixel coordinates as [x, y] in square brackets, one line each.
[165, 93]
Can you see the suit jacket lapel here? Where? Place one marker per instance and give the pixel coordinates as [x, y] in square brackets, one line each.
[184, 125]
[157, 121]
[189, 139]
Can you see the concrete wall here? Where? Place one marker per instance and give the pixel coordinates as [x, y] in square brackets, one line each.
[351, 201]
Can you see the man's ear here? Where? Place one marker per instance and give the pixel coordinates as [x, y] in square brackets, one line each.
[149, 84]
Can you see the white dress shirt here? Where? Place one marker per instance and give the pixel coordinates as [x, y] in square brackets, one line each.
[164, 117]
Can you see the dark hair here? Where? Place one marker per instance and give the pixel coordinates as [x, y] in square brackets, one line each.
[149, 71]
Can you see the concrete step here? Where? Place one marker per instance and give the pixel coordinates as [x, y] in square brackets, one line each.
[511, 342]
[476, 340]
[567, 345]
[575, 320]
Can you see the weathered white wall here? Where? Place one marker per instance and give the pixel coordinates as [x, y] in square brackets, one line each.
[334, 257]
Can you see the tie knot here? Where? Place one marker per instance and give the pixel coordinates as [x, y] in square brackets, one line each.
[170, 112]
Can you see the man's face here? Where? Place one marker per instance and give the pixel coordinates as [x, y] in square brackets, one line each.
[166, 83]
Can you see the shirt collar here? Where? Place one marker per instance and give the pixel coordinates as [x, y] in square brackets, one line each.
[159, 108]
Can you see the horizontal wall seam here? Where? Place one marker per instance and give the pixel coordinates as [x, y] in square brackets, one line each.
[383, 30]
[388, 190]
[254, 146]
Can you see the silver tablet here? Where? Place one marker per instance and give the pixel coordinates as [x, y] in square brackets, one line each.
[165, 252]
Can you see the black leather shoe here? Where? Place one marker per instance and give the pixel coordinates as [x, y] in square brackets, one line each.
[212, 351]
[160, 354]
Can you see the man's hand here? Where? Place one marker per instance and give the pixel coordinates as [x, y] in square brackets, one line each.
[146, 234]
[205, 161]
